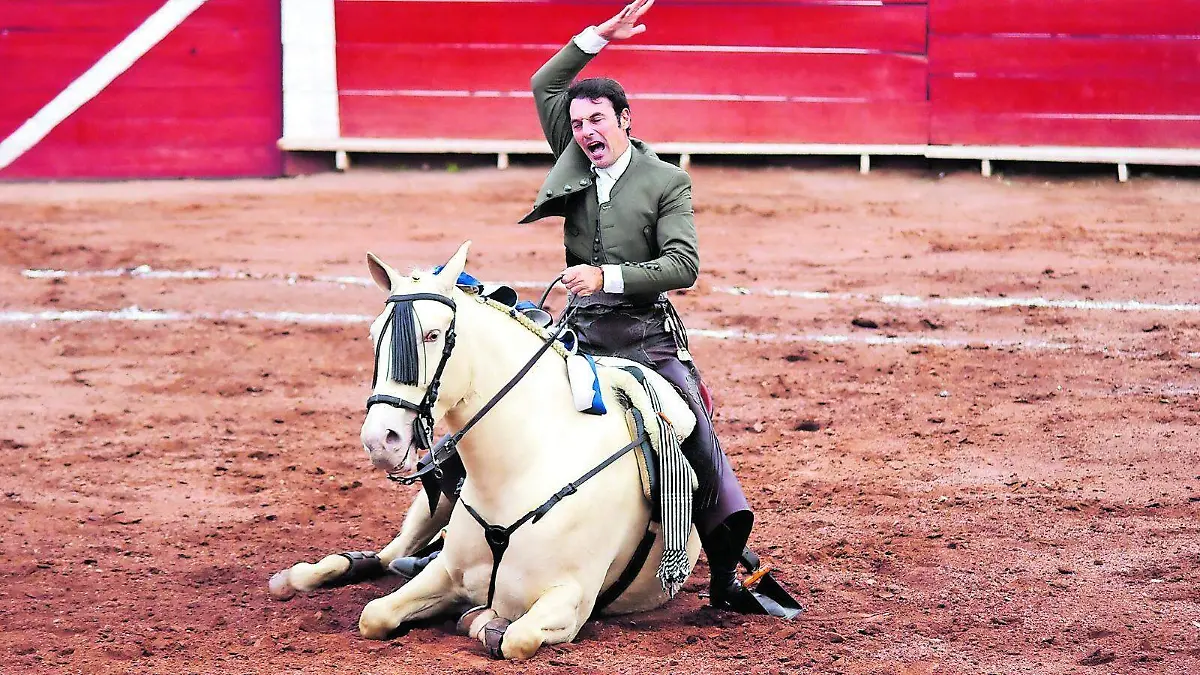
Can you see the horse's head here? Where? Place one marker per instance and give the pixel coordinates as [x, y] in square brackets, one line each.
[416, 379]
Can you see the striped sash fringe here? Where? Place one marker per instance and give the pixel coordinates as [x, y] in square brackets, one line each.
[676, 502]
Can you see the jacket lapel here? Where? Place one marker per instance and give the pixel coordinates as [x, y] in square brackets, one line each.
[634, 160]
[573, 173]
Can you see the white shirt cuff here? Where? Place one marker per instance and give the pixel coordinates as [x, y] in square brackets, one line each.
[589, 41]
[613, 281]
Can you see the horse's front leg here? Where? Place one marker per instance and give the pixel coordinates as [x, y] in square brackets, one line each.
[419, 528]
[556, 617]
[429, 593]
[340, 569]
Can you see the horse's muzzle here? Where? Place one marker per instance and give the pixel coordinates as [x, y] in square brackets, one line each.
[389, 442]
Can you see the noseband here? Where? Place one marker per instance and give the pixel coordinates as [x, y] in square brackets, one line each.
[404, 365]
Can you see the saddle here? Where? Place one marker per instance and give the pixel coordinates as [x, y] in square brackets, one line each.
[630, 381]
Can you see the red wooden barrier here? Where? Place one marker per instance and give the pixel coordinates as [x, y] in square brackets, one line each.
[1065, 17]
[1108, 73]
[723, 72]
[893, 28]
[205, 101]
[1161, 58]
[659, 121]
[507, 69]
[986, 129]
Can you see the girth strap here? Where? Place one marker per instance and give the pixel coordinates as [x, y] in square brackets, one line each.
[498, 538]
[629, 574]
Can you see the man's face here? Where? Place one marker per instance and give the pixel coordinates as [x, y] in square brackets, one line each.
[599, 130]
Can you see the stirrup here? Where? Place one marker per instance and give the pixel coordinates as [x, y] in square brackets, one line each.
[758, 593]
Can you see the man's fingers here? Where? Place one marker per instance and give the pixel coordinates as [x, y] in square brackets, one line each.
[644, 5]
[637, 30]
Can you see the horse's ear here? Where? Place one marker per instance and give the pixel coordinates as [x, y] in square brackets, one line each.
[454, 267]
[383, 275]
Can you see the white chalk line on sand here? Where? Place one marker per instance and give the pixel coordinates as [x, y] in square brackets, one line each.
[894, 300]
[32, 319]
[137, 314]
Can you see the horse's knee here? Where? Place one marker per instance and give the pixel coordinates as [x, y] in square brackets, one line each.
[521, 646]
[471, 623]
[515, 641]
[376, 621]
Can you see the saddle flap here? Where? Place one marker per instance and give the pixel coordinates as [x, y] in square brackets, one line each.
[647, 462]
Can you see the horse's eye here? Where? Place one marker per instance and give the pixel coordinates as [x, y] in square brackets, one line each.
[432, 336]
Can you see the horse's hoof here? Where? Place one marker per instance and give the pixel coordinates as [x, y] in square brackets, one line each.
[281, 585]
[409, 567]
[472, 622]
[375, 622]
[493, 636]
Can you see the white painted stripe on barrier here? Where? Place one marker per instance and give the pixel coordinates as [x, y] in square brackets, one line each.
[1111, 116]
[721, 49]
[653, 96]
[897, 300]
[95, 79]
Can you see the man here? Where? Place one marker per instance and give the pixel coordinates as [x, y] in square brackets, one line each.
[630, 237]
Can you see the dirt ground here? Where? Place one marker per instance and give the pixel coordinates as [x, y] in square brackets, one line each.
[966, 487]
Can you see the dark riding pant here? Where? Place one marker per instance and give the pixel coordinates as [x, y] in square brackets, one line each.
[640, 333]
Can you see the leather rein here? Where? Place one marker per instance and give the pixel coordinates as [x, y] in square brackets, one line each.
[423, 425]
[497, 537]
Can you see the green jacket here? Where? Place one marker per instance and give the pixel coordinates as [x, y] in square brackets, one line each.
[646, 226]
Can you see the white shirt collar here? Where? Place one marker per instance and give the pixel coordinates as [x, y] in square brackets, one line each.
[617, 168]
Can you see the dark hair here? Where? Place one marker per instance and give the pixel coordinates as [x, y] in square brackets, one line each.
[595, 88]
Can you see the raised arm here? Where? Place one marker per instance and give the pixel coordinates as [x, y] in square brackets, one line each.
[551, 82]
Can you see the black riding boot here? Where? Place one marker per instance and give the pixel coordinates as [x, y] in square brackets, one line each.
[723, 546]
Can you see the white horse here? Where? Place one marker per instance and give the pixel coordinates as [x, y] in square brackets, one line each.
[523, 451]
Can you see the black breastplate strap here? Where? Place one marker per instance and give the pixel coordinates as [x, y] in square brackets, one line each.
[498, 538]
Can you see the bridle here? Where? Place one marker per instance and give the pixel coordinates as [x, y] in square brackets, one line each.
[404, 364]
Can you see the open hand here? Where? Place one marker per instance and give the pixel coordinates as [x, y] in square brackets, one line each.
[625, 23]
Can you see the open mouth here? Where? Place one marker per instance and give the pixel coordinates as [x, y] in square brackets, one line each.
[595, 147]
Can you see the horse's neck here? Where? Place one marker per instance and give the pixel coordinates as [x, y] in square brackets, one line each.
[508, 439]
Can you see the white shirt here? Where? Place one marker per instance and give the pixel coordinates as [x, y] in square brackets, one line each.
[590, 42]
[607, 177]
